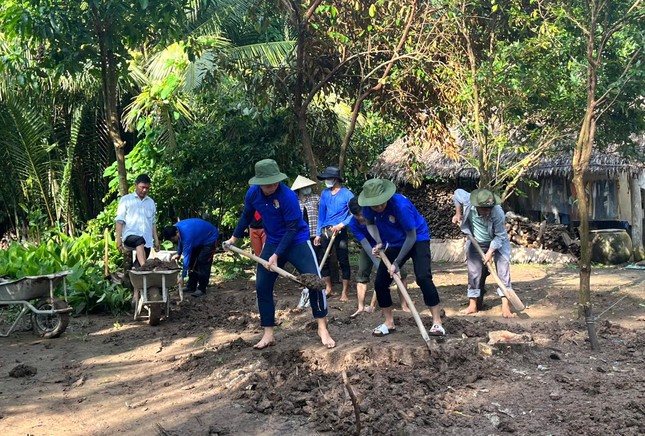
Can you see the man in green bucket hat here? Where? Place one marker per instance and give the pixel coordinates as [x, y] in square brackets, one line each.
[479, 214]
[287, 241]
[395, 224]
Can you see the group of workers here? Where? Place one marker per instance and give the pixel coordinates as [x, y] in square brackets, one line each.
[298, 226]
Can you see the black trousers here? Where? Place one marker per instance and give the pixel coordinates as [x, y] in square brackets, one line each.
[342, 253]
[421, 259]
[199, 269]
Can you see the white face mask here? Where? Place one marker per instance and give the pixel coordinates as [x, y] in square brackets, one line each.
[306, 191]
[330, 183]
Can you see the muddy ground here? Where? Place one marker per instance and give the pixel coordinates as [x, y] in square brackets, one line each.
[197, 373]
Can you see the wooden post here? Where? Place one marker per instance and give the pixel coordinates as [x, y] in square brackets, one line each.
[637, 219]
[106, 256]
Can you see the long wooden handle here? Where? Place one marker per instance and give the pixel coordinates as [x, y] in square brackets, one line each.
[408, 300]
[508, 293]
[263, 262]
[373, 302]
[331, 243]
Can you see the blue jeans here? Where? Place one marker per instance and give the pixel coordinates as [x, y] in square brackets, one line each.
[301, 256]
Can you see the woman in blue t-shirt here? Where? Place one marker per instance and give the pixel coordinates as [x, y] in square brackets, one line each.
[395, 224]
[287, 240]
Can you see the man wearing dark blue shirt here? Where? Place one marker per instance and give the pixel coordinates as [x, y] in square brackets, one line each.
[287, 241]
[395, 223]
[196, 241]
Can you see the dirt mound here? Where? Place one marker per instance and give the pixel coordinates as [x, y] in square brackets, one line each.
[158, 265]
[197, 372]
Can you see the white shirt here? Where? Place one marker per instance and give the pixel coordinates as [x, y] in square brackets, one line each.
[138, 217]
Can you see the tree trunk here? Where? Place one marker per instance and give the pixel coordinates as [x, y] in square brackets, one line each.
[581, 158]
[637, 220]
[109, 79]
[299, 107]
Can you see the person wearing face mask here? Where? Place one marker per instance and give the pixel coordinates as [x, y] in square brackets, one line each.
[479, 214]
[309, 202]
[333, 217]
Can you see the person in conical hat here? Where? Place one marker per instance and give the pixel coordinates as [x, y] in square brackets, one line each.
[479, 213]
[287, 241]
[399, 229]
[309, 202]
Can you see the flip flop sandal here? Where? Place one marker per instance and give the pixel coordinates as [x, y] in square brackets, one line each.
[383, 330]
[437, 330]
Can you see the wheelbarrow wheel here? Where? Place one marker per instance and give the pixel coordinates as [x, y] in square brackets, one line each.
[50, 326]
[154, 309]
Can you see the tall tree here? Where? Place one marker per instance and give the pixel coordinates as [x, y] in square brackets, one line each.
[612, 57]
[101, 33]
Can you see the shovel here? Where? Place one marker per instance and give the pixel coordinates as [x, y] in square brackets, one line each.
[508, 293]
[432, 345]
[327, 251]
[311, 281]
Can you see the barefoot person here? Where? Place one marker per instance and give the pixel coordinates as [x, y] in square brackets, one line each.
[333, 217]
[287, 241]
[395, 223]
[366, 260]
[479, 214]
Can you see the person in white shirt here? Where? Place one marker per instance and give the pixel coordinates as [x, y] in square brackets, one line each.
[136, 222]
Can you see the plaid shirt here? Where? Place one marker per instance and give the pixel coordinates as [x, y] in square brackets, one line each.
[311, 203]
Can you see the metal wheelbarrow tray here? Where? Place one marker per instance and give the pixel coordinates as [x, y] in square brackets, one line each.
[151, 289]
[50, 315]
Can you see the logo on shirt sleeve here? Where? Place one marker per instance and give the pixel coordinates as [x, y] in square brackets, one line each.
[276, 204]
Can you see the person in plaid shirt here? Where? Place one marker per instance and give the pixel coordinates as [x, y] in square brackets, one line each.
[309, 202]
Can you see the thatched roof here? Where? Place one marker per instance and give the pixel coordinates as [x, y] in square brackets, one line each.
[394, 164]
[603, 163]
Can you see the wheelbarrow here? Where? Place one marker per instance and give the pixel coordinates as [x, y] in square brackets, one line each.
[151, 292]
[50, 314]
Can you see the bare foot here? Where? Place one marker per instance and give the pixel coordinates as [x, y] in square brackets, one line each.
[297, 309]
[358, 312]
[508, 314]
[405, 308]
[469, 310]
[368, 309]
[326, 338]
[329, 293]
[343, 298]
[266, 341]
[506, 309]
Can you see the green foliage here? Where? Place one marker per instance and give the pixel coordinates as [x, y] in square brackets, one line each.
[228, 267]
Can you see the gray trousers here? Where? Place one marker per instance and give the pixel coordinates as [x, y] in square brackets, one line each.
[476, 267]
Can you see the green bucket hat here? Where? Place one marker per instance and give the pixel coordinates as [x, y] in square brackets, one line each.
[267, 173]
[484, 198]
[375, 192]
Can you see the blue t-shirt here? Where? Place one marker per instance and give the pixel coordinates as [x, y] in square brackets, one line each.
[360, 231]
[281, 217]
[333, 209]
[399, 216]
[194, 232]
